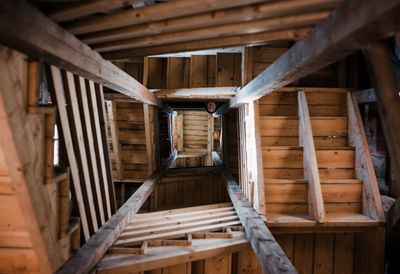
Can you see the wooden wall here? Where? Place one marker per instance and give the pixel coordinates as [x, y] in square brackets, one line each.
[35, 233]
[331, 76]
[339, 252]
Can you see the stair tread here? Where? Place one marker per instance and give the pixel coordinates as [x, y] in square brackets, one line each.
[277, 117]
[283, 147]
[335, 148]
[285, 181]
[328, 117]
[341, 181]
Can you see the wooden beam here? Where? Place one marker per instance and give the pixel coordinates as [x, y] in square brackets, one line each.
[156, 12]
[242, 14]
[273, 24]
[270, 255]
[94, 249]
[350, 27]
[306, 140]
[247, 39]
[372, 204]
[182, 255]
[81, 9]
[212, 93]
[24, 28]
[388, 102]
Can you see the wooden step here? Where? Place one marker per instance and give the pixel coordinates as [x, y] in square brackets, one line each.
[322, 142]
[342, 192]
[279, 126]
[278, 110]
[329, 126]
[336, 158]
[336, 173]
[285, 181]
[280, 140]
[326, 103]
[283, 173]
[279, 98]
[289, 193]
[283, 157]
[291, 209]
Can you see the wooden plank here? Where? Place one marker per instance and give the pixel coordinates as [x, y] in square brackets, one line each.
[56, 86]
[330, 41]
[303, 252]
[311, 174]
[210, 140]
[62, 49]
[78, 10]
[372, 205]
[94, 203]
[95, 248]
[323, 253]
[344, 253]
[259, 197]
[211, 19]
[165, 259]
[214, 93]
[149, 142]
[365, 96]
[228, 69]
[270, 255]
[112, 115]
[198, 71]
[154, 13]
[219, 264]
[273, 24]
[178, 69]
[95, 114]
[247, 39]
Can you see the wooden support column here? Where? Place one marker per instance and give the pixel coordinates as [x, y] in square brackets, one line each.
[270, 255]
[259, 204]
[315, 202]
[388, 101]
[94, 249]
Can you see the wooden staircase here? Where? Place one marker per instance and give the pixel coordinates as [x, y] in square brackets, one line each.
[312, 144]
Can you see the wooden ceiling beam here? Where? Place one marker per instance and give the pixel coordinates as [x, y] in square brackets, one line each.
[217, 93]
[24, 28]
[274, 24]
[211, 19]
[94, 249]
[81, 9]
[163, 11]
[349, 28]
[270, 255]
[247, 39]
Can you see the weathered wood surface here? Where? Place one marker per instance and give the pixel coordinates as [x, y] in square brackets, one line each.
[23, 27]
[350, 27]
[95, 248]
[315, 201]
[270, 255]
